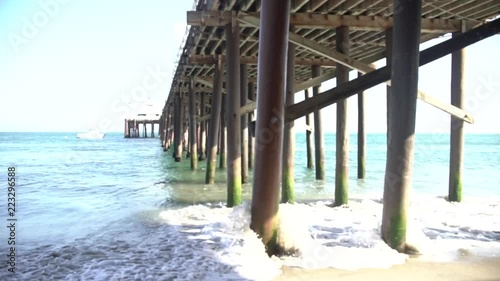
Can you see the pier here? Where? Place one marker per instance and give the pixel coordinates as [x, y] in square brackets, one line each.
[146, 117]
[277, 49]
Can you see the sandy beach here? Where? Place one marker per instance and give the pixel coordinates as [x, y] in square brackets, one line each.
[465, 269]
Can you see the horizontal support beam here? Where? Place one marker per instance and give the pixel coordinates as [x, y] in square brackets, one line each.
[383, 74]
[325, 21]
[203, 118]
[361, 67]
[211, 59]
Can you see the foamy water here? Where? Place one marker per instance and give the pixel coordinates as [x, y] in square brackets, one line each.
[212, 242]
[117, 209]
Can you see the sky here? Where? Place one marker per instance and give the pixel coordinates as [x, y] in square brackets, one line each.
[74, 65]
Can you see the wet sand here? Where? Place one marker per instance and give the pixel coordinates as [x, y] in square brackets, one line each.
[466, 269]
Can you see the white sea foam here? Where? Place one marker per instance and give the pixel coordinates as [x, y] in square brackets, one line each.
[212, 242]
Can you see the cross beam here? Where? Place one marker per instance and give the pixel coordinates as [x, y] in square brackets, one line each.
[361, 67]
[317, 20]
[378, 76]
[211, 59]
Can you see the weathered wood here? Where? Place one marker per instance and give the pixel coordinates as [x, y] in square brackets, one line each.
[166, 128]
[365, 68]
[251, 106]
[193, 141]
[388, 62]
[252, 60]
[362, 67]
[251, 138]
[288, 174]
[400, 152]
[384, 73]
[361, 135]
[223, 134]
[203, 134]
[314, 81]
[309, 132]
[233, 115]
[152, 130]
[456, 126]
[342, 132]
[178, 128]
[273, 37]
[207, 83]
[244, 123]
[135, 129]
[144, 130]
[320, 20]
[127, 133]
[214, 127]
[319, 141]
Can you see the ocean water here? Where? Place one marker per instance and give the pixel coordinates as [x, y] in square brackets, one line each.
[122, 209]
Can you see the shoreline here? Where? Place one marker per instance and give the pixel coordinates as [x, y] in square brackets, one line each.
[471, 268]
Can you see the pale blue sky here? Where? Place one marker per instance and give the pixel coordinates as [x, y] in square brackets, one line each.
[74, 65]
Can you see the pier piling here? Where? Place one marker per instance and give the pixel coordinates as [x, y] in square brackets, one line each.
[456, 126]
[319, 141]
[215, 118]
[361, 134]
[251, 138]
[233, 114]
[244, 123]
[273, 42]
[178, 136]
[192, 127]
[342, 135]
[402, 106]
[309, 131]
[203, 134]
[288, 175]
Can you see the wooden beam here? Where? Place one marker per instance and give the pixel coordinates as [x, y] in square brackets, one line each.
[214, 125]
[323, 21]
[245, 172]
[362, 67]
[403, 107]
[319, 141]
[342, 131]
[193, 140]
[314, 81]
[232, 115]
[271, 105]
[207, 83]
[456, 127]
[288, 174]
[383, 74]
[252, 60]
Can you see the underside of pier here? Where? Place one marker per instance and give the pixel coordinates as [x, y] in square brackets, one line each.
[235, 48]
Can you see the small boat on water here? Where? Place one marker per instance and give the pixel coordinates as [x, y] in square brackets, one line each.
[92, 134]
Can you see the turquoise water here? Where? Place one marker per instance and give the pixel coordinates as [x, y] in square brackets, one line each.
[70, 189]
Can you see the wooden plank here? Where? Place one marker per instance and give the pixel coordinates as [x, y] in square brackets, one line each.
[323, 21]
